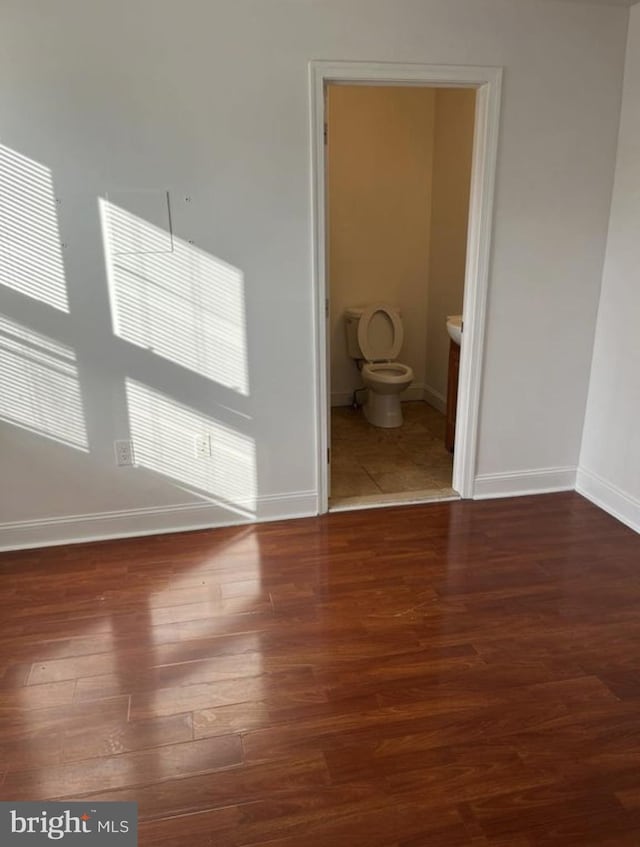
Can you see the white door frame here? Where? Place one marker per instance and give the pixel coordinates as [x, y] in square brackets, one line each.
[487, 81]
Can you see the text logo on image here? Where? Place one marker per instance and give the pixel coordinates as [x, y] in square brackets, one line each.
[36, 824]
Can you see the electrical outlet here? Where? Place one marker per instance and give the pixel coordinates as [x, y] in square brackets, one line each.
[202, 446]
[124, 453]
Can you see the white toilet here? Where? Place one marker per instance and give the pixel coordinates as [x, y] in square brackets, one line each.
[374, 340]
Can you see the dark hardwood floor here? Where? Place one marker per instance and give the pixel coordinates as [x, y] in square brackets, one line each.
[451, 674]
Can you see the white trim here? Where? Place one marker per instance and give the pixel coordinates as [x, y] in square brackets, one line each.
[520, 483]
[435, 398]
[412, 498]
[132, 523]
[487, 81]
[622, 505]
[476, 282]
[343, 398]
[413, 394]
[293, 504]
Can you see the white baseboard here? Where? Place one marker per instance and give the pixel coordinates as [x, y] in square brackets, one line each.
[342, 398]
[345, 398]
[413, 393]
[435, 398]
[609, 497]
[295, 504]
[520, 483]
[75, 529]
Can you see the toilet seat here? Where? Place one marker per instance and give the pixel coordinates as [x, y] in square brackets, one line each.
[378, 352]
[388, 373]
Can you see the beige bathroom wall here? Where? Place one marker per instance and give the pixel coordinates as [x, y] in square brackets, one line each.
[399, 169]
[380, 150]
[452, 154]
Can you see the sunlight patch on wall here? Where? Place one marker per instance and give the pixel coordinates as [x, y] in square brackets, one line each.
[164, 434]
[145, 227]
[30, 249]
[39, 386]
[183, 304]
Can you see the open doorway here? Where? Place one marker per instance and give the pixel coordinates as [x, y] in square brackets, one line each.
[372, 281]
[398, 177]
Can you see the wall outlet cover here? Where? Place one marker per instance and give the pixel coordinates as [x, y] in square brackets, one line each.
[202, 446]
[124, 453]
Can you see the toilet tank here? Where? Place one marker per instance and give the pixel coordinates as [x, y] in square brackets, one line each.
[352, 316]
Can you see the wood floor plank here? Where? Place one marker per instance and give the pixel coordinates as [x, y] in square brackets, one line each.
[139, 671]
[20, 724]
[454, 674]
[25, 698]
[373, 823]
[273, 782]
[127, 769]
[288, 687]
[205, 829]
[88, 742]
[32, 749]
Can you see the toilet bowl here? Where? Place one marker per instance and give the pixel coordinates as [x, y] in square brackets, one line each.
[374, 339]
[385, 381]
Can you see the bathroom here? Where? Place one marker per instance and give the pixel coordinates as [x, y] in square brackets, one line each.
[398, 185]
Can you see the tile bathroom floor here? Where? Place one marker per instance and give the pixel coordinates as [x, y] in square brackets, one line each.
[372, 465]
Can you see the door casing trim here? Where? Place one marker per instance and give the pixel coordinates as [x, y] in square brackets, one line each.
[488, 83]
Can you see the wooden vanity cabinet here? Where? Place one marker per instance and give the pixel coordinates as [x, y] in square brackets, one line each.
[452, 395]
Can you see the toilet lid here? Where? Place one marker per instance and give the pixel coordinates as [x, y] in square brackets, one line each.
[380, 333]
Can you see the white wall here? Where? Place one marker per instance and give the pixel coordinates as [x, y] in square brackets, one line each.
[208, 99]
[379, 176]
[610, 457]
